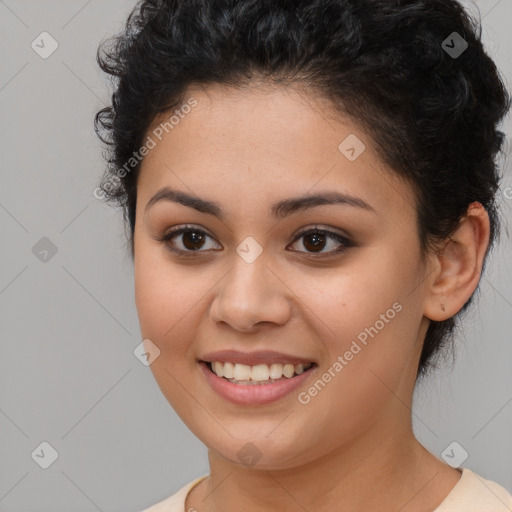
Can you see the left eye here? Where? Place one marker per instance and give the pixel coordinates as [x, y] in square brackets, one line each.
[315, 238]
[193, 239]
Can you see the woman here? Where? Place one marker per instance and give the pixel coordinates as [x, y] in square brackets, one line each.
[310, 190]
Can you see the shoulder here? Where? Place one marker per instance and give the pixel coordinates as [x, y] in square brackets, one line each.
[473, 493]
[175, 502]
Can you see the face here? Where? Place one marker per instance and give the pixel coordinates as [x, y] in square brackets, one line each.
[244, 279]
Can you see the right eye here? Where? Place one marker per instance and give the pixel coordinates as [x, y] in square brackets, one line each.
[192, 240]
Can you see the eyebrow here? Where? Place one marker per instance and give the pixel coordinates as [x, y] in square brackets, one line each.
[279, 210]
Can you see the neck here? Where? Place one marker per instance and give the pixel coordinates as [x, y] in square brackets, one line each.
[383, 468]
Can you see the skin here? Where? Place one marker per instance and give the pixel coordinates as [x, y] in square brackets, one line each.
[351, 448]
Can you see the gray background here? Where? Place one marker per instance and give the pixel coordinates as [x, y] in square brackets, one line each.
[68, 375]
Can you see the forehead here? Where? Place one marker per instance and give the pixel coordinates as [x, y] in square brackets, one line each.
[228, 117]
[264, 139]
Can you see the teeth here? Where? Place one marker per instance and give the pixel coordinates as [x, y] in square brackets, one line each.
[276, 371]
[257, 373]
[260, 372]
[242, 372]
[218, 368]
[229, 370]
[288, 370]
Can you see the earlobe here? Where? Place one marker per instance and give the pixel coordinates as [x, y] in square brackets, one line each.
[458, 265]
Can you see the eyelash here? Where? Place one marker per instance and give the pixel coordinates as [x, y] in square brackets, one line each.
[346, 243]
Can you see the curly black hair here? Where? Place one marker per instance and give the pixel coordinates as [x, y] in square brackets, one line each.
[412, 73]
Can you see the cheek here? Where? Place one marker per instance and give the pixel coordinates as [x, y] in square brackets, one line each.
[347, 299]
[166, 300]
[168, 316]
[365, 310]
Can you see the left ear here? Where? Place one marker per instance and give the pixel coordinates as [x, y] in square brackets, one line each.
[458, 266]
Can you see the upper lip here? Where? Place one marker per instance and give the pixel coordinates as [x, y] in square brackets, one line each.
[254, 358]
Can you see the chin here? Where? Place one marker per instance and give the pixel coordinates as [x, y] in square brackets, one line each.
[263, 454]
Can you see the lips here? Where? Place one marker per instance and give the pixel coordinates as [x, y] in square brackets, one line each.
[259, 393]
[257, 388]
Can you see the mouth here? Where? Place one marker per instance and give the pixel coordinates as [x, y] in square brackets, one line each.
[257, 375]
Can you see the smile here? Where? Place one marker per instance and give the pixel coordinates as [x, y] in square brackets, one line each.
[261, 384]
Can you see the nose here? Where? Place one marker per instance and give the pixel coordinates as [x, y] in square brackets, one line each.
[251, 295]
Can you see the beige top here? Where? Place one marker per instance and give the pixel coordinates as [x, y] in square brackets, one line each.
[471, 493]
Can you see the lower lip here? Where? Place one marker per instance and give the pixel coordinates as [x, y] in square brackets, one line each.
[257, 394]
